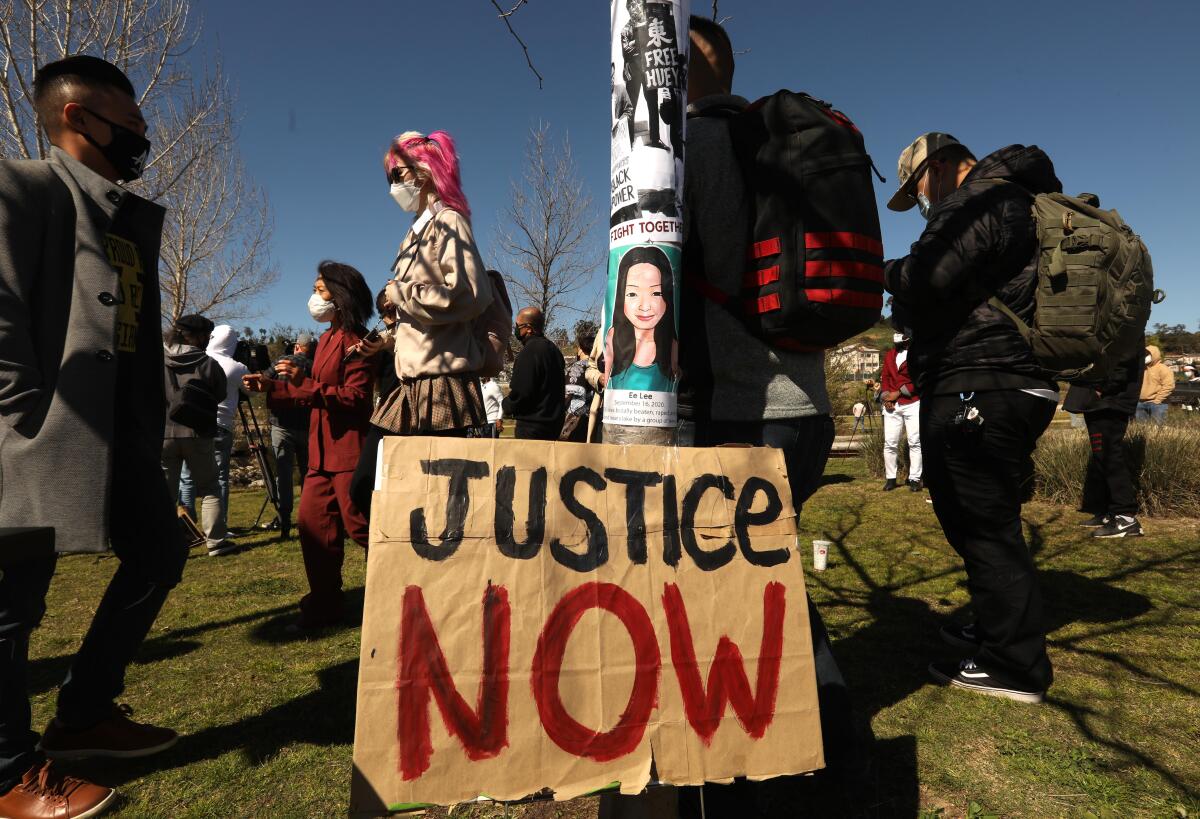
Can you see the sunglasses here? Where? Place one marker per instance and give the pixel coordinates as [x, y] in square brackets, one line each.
[396, 175]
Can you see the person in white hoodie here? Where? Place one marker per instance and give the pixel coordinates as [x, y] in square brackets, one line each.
[221, 347]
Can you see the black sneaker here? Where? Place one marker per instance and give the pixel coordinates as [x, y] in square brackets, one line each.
[1120, 526]
[889, 484]
[960, 636]
[1095, 520]
[966, 674]
[914, 486]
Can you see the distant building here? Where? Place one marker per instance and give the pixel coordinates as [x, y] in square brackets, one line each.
[859, 359]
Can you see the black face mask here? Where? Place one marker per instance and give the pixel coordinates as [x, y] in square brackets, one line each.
[127, 151]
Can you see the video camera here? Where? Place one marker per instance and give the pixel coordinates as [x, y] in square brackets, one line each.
[253, 354]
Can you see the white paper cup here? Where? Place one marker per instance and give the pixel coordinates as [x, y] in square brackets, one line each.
[821, 554]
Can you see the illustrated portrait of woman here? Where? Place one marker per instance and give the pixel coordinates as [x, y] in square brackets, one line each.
[642, 347]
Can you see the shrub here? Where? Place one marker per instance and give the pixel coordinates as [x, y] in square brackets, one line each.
[872, 451]
[1164, 460]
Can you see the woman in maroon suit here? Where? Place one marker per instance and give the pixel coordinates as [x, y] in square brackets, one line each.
[339, 394]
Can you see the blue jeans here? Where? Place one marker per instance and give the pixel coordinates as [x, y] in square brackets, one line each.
[1149, 411]
[222, 450]
[147, 539]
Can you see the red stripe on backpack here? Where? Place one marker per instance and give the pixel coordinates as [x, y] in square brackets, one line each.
[767, 247]
[844, 239]
[847, 298]
[823, 268]
[760, 278]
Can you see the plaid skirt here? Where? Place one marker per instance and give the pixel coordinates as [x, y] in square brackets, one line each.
[436, 403]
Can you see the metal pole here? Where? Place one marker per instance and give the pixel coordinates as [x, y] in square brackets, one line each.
[649, 53]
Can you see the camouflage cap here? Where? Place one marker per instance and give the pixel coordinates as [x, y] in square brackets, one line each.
[912, 159]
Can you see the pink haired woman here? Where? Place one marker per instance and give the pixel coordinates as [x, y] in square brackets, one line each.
[439, 288]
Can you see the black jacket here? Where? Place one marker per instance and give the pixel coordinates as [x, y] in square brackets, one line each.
[980, 241]
[537, 394]
[186, 363]
[1119, 393]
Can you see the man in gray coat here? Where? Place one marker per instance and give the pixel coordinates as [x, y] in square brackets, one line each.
[82, 413]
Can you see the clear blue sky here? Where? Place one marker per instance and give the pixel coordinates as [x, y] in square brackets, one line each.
[1107, 89]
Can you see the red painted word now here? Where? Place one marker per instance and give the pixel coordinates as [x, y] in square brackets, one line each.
[482, 730]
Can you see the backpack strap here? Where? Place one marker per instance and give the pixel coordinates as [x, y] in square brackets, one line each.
[994, 301]
[1024, 329]
[416, 242]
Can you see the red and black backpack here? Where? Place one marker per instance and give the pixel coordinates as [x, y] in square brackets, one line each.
[814, 272]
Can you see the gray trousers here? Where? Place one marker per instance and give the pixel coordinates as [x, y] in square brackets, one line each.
[200, 456]
[291, 451]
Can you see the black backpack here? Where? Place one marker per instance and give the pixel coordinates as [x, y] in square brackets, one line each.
[193, 404]
[814, 276]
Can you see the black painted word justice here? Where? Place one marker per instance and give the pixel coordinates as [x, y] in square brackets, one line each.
[679, 507]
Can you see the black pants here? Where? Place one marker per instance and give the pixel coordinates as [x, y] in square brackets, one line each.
[146, 537]
[633, 88]
[532, 431]
[977, 481]
[1108, 487]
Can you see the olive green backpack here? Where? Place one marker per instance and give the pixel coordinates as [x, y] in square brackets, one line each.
[1095, 285]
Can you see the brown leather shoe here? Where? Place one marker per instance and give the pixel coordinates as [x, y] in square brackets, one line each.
[45, 793]
[116, 736]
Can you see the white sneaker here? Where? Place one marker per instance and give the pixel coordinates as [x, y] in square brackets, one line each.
[222, 547]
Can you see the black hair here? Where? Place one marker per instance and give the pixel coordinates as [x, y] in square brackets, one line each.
[56, 81]
[624, 338]
[350, 294]
[585, 341]
[382, 306]
[713, 33]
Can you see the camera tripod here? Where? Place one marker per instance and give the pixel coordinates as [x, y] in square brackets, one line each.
[261, 449]
[864, 413]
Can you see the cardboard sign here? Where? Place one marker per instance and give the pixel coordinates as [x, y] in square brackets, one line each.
[555, 616]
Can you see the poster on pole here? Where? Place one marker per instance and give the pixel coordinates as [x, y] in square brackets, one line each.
[551, 618]
[648, 70]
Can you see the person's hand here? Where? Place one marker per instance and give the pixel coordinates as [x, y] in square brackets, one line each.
[367, 348]
[891, 396]
[602, 381]
[889, 406]
[253, 382]
[290, 372]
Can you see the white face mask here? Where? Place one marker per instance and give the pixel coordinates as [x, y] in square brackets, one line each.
[1149, 359]
[320, 309]
[407, 195]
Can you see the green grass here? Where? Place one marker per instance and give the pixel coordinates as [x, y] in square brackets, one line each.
[268, 721]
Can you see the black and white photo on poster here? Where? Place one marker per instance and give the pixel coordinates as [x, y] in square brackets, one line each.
[648, 70]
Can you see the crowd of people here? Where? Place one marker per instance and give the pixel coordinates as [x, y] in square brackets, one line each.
[105, 429]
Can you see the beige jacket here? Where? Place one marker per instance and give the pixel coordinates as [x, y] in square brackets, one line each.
[440, 288]
[592, 374]
[1159, 381]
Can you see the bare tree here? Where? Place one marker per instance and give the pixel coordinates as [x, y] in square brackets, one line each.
[218, 223]
[546, 230]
